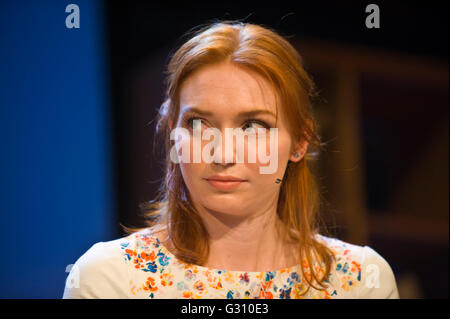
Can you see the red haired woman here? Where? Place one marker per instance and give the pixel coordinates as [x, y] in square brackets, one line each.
[223, 229]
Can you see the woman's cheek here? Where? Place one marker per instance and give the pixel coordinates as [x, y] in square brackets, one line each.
[270, 154]
[278, 152]
[257, 159]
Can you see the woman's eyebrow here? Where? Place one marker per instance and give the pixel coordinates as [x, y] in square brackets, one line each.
[196, 111]
[240, 114]
[256, 112]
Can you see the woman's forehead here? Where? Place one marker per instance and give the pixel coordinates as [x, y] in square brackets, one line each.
[227, 88]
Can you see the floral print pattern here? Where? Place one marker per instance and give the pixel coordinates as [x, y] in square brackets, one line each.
[162, 275]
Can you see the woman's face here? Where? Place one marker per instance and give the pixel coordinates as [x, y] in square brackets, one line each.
[219, 96]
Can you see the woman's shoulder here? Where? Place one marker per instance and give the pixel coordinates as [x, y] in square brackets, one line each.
[102, 269]
[360, 271]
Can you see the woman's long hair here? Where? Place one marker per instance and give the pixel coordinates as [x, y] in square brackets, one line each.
[262, 50]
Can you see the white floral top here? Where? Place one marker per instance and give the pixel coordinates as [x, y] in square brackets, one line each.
[139, 266]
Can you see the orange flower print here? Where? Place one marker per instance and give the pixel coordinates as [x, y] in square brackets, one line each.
[347, 283]
[166, 279]
[305, 264]
[148, 240]
[140, 260]
[150, 284]
[265, 295]
[210, 276]
[358, 269]
[228, 277]
[131, 252]
[148, 257]
[266, 285]
[192, 282]
[188, 294]
[216, 285]
[191, 266]
[199, 285]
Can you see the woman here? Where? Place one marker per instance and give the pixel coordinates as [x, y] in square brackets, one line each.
[222, 228]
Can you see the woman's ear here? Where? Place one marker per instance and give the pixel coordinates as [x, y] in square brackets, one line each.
[299, 151]
[301, 147]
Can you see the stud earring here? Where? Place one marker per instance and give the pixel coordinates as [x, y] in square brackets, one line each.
[296, 154]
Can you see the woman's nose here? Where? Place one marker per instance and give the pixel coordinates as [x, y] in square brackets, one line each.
[225, 151]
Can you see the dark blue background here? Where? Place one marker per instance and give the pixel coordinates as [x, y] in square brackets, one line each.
[56, 188]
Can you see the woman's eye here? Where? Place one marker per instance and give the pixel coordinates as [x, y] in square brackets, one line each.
[194, 123]
[252, 127]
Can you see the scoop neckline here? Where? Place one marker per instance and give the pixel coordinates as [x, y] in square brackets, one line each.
[288, 269]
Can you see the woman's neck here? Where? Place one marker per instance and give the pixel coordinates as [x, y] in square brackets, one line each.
[255, 242]
[247, 243]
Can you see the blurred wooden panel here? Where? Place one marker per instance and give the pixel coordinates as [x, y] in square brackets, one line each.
[402, 102]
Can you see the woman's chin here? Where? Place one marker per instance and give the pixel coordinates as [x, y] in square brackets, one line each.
[225, 208]
[222, 198]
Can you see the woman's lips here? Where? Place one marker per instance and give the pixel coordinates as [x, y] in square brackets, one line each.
[224, 185]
